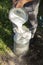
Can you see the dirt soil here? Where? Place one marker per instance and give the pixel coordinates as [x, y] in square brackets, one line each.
[33, 57]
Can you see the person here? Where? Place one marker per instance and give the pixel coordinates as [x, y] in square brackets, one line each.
[32, 8]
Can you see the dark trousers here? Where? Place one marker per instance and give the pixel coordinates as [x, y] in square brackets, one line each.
[32, 9]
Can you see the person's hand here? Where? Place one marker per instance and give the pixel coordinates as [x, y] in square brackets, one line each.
[20, 3]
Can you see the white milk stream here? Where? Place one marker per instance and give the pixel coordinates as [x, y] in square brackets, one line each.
[19, 16]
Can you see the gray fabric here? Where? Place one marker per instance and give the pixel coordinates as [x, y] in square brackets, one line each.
[32, 10]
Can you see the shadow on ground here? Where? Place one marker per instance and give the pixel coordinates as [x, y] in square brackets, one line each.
[35, 53]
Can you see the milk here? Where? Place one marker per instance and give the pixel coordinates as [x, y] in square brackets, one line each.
[19, 16]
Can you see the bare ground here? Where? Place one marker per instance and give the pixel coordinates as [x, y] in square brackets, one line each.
[33, 57]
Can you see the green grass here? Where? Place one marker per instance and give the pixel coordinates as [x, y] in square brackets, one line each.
[5, 26]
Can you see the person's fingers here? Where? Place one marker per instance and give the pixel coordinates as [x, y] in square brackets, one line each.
[19, 4]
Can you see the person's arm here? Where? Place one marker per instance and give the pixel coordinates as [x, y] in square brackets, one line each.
[20, 3]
